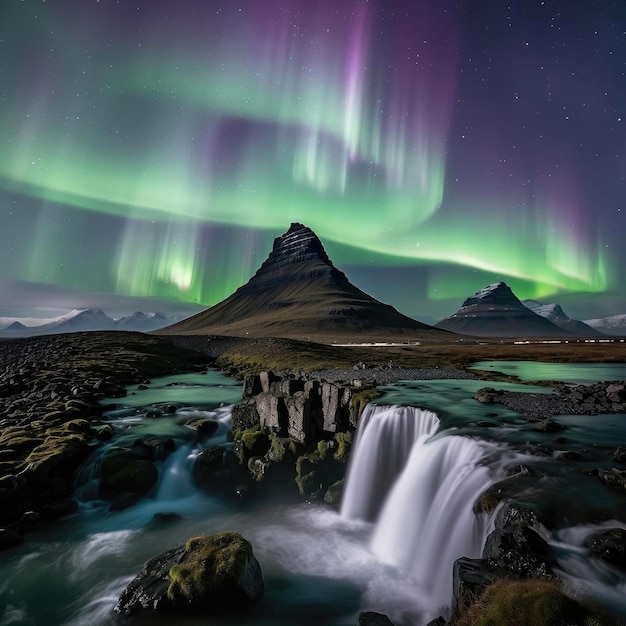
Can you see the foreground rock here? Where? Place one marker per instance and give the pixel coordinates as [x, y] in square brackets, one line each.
[370, 618]
[209, 574]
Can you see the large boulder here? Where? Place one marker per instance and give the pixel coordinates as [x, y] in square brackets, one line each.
[123, 471]
[519, 544]
[371, 618]
[610, 546]
[209, 574]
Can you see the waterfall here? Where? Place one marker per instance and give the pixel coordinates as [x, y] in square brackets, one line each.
[385, 438]
[427, 489]
[176, 480]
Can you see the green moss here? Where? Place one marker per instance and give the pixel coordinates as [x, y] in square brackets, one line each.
[334, 492]
[527, 603]
[77, 426]
[78, 405]
[258, 467]
[212, 564]
[256, 440]
[360, 399]
[281, 447]
[344, 443]
[58, 454]
[57, 416]
[20, 442]
[321, 450]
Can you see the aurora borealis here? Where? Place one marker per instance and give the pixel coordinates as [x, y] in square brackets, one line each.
[155, 148]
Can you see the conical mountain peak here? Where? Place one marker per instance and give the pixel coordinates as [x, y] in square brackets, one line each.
[298, 245]
[497, 293]
[297, 292]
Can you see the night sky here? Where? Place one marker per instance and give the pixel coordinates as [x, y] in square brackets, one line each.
[154, 149]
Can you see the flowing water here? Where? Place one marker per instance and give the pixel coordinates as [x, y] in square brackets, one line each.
[407, 513]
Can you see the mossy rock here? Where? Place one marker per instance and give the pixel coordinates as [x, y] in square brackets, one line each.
[528, 603]
[309, 475]
[215, 569]
[258, 467]
[122, 471]
[82, 407]
[334, 492]
[78, 426]
[255, 440]
[54, 416]
[104, 432]
[344, 443]
[207, 465]
[282, 448]
[58, 456]
[359, 400]
[20, 442]
[204, 426]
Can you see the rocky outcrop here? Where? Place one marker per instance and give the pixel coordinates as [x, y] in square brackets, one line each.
[304, 410]
[595, 399]
[297, 431]
[209, 574]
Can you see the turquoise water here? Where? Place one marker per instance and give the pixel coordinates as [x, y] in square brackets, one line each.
[582, 373]
[203, 390]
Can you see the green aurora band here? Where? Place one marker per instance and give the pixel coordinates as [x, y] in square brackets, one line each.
[256, 129]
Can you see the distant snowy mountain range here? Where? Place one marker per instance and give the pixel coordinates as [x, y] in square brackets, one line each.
[85, 320]
[612, 325]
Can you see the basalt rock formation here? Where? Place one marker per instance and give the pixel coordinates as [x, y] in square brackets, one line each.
[299, 293]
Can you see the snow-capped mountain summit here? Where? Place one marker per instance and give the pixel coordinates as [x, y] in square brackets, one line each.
[611, 325]
[496, 311]
[142, 321]
[557, 315]
[78, 320]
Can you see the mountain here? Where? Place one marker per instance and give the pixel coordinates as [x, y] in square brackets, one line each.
[142, 321]
[15, 327]
[495, 311]
[77, 320]
[298, 293]
[555, 314]
[611, 325]
[86, 320]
